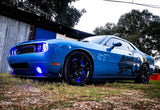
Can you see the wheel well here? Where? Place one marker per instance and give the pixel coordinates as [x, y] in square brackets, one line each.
[79, 50]
[146, 64]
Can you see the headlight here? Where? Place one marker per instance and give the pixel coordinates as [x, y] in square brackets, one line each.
[13, 51]
[41, 47]
[29, 48]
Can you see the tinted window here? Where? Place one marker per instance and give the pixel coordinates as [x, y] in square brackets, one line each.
[130, 47]
[113, 40]
[96, 39]
[110, 42]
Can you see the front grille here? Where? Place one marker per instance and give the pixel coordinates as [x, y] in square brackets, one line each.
[19, 65]
[22, 72]
[25, 49]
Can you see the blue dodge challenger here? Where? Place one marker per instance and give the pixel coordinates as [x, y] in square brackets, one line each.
[78, 62]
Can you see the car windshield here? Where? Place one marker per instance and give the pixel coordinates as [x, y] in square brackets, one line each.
[95, 39]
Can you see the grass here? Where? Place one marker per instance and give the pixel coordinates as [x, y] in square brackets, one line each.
[151, 90]
[36, 94]
[58, 94]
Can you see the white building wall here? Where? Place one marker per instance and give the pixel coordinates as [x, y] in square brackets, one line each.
[60, 36]
[12, 32]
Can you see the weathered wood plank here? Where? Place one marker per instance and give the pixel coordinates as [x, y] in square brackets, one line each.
[12, 32]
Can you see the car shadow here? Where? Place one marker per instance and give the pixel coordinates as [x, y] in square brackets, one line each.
[100, 83]
[59, 80]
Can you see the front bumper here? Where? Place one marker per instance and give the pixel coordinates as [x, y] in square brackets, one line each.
[27, 64]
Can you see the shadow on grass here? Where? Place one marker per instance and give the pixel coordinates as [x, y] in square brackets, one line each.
[59, 80]
[44, 80]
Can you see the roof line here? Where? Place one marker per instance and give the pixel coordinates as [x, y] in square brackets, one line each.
[42, 22]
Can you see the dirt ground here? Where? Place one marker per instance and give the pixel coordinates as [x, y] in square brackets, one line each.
[130, 100]
[21, 96]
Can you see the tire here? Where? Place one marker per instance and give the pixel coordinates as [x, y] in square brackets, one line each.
[144, 74]
[78, 69]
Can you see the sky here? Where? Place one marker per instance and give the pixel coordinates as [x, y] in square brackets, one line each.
[99, 12]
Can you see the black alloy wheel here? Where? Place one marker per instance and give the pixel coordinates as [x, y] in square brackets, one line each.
[78, 68]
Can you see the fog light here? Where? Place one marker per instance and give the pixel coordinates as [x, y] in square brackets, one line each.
[38, 69]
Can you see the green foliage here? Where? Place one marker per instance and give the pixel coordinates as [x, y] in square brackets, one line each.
[133, 22]
[70, 16]
[139, 28]
[108, 29]
[60, 11]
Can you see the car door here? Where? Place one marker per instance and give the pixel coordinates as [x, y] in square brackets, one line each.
[121, 58]
[137, 59]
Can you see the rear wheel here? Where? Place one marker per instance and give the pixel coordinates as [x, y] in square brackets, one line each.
[143, 75]
[78, 68]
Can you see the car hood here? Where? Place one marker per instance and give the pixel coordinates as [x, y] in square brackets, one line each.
[62, 42]
[31, 42]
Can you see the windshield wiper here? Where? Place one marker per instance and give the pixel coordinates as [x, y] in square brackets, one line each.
[85, 41]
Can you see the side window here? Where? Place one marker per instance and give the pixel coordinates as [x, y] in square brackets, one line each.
[129, 46]
[111, 41]
[123, 47]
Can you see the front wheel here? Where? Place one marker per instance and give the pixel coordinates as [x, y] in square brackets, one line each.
[143, 75]
[78, 68]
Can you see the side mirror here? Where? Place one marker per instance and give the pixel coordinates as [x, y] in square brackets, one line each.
[117, 44]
